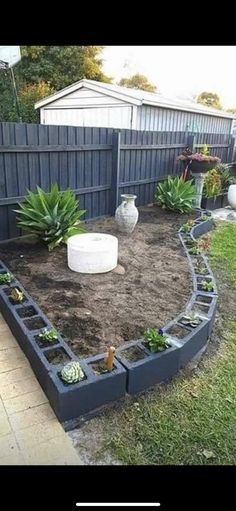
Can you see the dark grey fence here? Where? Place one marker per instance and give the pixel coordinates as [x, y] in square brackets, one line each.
[98, 164]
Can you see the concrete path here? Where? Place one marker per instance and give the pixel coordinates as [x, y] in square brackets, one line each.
[30, 433]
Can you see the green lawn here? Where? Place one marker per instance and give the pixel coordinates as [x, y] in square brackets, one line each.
[193, 419]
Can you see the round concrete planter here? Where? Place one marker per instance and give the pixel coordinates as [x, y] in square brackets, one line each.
[232, 196]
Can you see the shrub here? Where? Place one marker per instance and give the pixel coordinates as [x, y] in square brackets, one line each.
[155, 341]
[212, 184]
[52, 216]
[176, 195]
[225, 175]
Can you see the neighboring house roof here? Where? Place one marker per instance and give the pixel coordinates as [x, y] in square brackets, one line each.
[134, 97]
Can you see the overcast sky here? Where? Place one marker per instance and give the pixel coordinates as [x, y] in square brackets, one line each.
[178, 71]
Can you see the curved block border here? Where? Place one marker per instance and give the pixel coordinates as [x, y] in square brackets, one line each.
[71, 401]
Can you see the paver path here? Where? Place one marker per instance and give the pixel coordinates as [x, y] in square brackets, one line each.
[30, 433]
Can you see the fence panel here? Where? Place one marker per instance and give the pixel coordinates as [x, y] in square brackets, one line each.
[97, 164]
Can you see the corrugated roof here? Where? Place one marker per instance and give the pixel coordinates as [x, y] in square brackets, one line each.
[136, 97]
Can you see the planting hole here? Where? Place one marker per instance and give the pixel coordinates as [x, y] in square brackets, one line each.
[35, 323]
[200, 308]
[177, 331]
[57, 356]
[26, 312]
[100, 367]
[204, 299]
[201, 279]
[133, 354]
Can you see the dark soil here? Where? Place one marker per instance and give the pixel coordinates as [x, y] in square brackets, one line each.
[100, 367]
[133, 354]
[26, 312]
[34, 323]
[178, 331]
[57, 356]
[93, 312]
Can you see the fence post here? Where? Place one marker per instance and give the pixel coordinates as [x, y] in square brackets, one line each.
[230, 155]
[115, 171]
[191, 140]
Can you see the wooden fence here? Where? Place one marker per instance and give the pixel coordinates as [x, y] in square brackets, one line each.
[98, 164]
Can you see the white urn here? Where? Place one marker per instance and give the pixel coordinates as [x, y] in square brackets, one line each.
[232, 196]
[126, 214]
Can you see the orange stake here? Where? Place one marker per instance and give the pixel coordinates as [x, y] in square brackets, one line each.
[110, 358]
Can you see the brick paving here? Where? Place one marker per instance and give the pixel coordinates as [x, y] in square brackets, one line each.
[30, 433]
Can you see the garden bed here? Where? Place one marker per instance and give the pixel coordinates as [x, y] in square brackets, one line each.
[92, 312]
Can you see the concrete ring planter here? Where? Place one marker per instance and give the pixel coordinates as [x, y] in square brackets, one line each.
[95, 390]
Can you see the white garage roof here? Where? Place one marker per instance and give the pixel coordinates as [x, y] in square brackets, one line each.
[134, 97]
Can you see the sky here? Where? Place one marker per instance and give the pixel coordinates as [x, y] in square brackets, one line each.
[178, 71]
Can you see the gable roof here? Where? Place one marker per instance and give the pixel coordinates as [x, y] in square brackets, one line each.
[134, 97]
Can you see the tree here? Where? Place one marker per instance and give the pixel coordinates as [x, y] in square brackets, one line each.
[209, 99]
[138, 82]
[44, 69]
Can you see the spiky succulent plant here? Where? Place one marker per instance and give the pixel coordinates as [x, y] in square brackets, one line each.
[52, 216]
[176, 195]
[72, 372]
[6, 278]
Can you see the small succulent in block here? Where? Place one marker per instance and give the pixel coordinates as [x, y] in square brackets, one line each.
[156, 341]
[6, 278]
[48, 335]
[72, 372]
[207, 286]
[200, 268]
[187, 226]
[192, 319]
[194, 250]
[16, 295]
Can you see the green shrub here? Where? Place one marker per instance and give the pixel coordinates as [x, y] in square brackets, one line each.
[155, 341]
[225, 175]
[212, 184]
[176, 195]
[6, 278]
[52, 216]
[48, 335]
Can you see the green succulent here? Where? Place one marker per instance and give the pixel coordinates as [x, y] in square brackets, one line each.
[203, 218]
[48, 335]
[6, 278]
[52, 216]
[175, 194]
[191, 319]
[72, 372]
[207, 286]
[194, 250]
[155, 342]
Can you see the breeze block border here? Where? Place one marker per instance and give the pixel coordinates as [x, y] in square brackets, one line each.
[70, 401]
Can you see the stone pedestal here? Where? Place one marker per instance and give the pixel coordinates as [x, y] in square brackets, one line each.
[199, 183]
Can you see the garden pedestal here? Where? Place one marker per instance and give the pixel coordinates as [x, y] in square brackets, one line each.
[199, 182]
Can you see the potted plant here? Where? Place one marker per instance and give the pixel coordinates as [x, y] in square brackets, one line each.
[199, 163]
[212, 190]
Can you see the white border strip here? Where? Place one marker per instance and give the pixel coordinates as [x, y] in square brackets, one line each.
[117, 504]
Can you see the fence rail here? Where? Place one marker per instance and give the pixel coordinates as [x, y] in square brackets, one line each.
[98, 164]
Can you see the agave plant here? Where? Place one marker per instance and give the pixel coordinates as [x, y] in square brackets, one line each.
[176, 195]
[52, 216]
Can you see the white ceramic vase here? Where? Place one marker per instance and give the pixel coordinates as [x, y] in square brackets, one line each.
[232, 196]
[126, 214]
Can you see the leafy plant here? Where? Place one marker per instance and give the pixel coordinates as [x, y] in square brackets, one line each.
[16, 295]
[6, 278]
[72, 372]
[200, 268]
[48, 335]
[207, 286]
[204, 243]
[187, 226]
[155, 341]
[191, 319]
[194, 251]
[212, 184]
[203, 218]
[175, 194]
[191, 243]
[225, 175]
[52, 216]
[205, 150]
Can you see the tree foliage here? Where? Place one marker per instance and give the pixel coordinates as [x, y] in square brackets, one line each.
[231, 111]
[138, 81]
[44, 70]
[210, 99]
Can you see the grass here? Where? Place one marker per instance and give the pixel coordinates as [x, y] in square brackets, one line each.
[192, 420]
